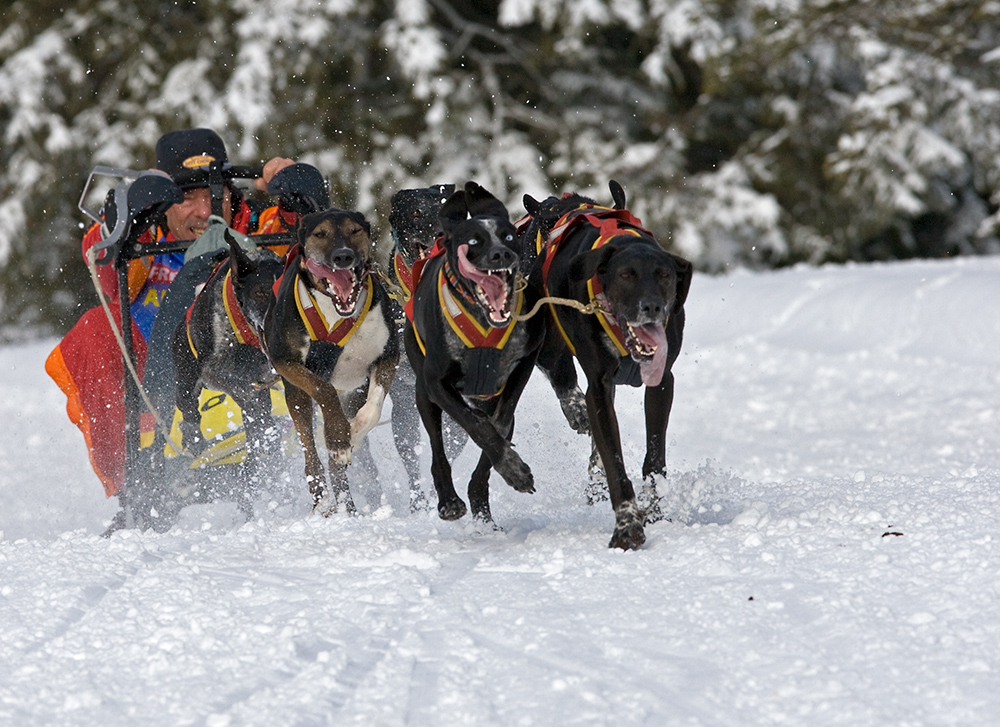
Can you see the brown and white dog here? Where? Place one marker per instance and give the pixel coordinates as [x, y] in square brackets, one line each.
[331, 337]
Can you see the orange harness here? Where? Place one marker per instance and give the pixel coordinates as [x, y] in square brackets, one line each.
[609, 223]
[337, 331]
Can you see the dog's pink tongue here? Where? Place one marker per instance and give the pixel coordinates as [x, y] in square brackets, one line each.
[342, 281]
[492, 285]
[651, 335]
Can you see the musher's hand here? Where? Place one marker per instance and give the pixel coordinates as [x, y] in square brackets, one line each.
[272, 167]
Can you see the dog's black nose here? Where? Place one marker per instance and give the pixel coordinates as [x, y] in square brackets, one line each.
[501, 257]
[650, 309]
[345, 257]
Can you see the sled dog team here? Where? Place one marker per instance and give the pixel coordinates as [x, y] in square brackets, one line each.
[484, 302]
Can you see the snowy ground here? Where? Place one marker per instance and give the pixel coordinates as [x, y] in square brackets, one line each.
[833, 556]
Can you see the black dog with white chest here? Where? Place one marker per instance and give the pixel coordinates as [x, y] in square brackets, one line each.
[603, 256]
[471, 356]
[332, 338]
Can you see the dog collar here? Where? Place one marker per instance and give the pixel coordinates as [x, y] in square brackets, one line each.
[455, 284]
[241, 326]
[337, 331]
[465, 326]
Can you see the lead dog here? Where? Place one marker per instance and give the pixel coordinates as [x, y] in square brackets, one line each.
[217, 346]
[331, 337]
[603, 255]
[471, 357]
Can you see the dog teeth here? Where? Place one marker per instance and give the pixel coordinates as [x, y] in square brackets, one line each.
[641, 348]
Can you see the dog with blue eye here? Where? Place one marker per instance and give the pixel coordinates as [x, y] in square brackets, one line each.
[470, 353]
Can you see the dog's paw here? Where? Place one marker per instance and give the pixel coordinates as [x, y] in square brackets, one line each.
[451, 509]
[651, 503]
[347, 501]
[418, 501]
[597, 480]
[325, 506]
[574, 408]
[596, 491]
[628, 534]
[364, 421]
[340, 457]
[515, 472]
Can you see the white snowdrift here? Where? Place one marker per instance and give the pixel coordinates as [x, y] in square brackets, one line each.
[832, 557]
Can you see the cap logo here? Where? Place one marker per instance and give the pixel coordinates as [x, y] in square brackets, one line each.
[202, 160]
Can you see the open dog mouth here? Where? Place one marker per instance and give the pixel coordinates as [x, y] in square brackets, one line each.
[647, 345]
[341, 285]
[493, 289]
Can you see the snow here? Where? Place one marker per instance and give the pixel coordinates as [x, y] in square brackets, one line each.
[831, 559]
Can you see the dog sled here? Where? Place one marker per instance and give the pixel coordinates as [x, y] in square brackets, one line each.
[160, 476]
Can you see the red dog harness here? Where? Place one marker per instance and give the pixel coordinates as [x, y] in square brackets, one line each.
[337, 331]
[242, 329]
[609, 223]
[404, 274]
[466, 327]
[241, 326]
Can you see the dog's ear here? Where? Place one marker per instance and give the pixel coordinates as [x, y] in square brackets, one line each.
[588, 264]
[531, 205]
[617, 194]
[685, 271]
[239, 262]
[482, 203]
[361, 220]
[453, 212]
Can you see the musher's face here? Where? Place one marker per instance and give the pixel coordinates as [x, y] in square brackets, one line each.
[189, 219]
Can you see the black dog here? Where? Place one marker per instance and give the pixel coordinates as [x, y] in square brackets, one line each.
[413, 218]
[217, 347]
[591, 253]
[415, 226]
[331, 337]
[471, 357]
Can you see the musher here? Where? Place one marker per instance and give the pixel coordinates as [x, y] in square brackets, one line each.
[87, 363]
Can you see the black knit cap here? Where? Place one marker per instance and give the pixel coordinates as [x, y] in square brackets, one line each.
[189, 154]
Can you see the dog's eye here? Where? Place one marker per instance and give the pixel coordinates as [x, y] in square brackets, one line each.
[509, 238]
[472, 241]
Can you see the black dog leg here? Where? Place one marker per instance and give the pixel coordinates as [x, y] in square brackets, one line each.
[479, 484]
[479, 491]
[450, 505]
[556, 362]
[628, 533]
[658, 401]
[187, 388]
